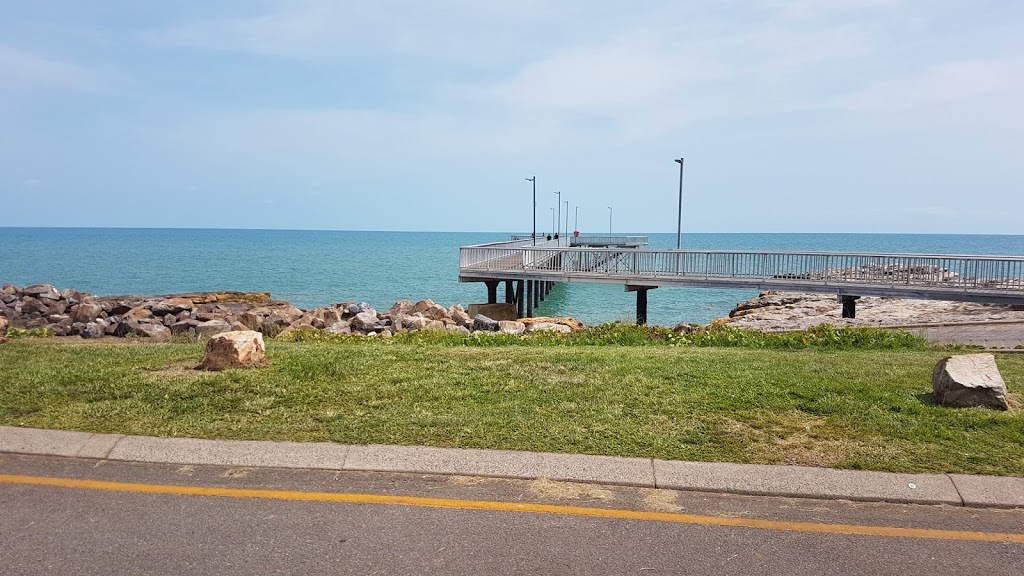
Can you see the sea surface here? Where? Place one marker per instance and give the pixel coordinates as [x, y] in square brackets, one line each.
[318, 268]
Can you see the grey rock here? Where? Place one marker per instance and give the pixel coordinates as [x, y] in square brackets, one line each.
[969, 380]
[57, 329]
[401, 308]
[172, 306]
[44, 291]
[184, 327]
[366, 322]
[422, 306]
[340, 327]
[8, 289]
[414, 323]
[460, 316]
[124, 328]
[456, 329]
[92, 330]
[31, 305]
[156, 332]
[212, 328]
[548, 327]
[434, 326]
[138, 313]
[511, 327]
[56, 307]
[87, 312]
[483, 323]
[73, 296]
[437, 312]
[683, 328]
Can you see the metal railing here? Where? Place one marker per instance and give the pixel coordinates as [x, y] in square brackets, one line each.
[839, 270]
[600, 240]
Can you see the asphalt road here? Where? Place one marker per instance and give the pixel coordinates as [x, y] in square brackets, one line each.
[109, 529]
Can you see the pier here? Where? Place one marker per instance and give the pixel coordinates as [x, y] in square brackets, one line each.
[530, 268]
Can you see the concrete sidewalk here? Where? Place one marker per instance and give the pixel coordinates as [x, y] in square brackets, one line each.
[790, 481]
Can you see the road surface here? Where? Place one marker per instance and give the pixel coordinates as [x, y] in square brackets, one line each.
[82, 517]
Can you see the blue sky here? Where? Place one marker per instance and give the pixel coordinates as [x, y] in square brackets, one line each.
[793, 115]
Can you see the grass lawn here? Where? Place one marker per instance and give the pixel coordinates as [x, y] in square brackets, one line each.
[844, 409]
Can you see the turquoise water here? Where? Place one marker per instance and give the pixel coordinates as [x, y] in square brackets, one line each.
[317, 268]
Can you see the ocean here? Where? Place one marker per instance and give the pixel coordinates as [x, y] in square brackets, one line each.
[316, 268]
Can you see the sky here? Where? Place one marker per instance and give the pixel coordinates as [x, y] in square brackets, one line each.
[891, 116]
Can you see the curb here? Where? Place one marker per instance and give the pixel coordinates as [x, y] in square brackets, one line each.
[749, 479]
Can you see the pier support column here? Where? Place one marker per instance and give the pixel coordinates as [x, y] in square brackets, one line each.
[520, 301]
[641, 302]
[849, 305]
[510, 296]
[531, 291]
[492, 291]
[538, 293]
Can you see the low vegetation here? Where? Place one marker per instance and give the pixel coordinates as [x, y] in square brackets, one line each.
[827, 397]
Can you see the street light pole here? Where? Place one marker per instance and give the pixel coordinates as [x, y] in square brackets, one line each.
[534, 180]
[679, 229]
[566, 218]
[576, 224]
[559, 209]
[552, 221]
[609, 220]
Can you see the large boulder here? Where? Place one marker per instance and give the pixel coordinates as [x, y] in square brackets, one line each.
[239, 349]
[494, 311]
[8, 289]
[969, 380]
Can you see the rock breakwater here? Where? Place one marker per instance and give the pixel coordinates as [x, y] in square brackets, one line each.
[205, 314]
[784, 311]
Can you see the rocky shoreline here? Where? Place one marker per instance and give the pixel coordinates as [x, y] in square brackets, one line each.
[159, 318]
[790, 311]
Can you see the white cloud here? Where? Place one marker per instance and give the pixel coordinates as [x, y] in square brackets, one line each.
[23, 70]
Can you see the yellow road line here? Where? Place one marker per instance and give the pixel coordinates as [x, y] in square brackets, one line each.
[807, 527]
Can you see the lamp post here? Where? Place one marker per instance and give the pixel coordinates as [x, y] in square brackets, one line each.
[576, 224]
[552, 221]
[566, 218]
[679, 229]
[559, 220]
[534, 180]
[609, 220]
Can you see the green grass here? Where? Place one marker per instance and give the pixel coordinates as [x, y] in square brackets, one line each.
[845, 408]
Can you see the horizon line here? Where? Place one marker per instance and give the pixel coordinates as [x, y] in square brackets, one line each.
[2, 227]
